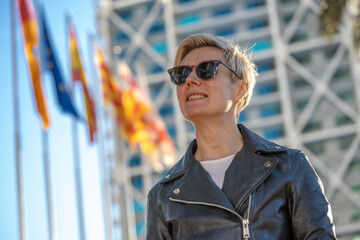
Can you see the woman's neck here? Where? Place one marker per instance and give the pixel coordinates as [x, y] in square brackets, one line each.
[217, 140]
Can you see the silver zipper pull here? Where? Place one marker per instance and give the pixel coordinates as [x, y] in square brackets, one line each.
[246, 232]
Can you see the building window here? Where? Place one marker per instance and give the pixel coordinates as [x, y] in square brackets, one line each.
[184, 1]
[258, 24]
[299, 83]
[126, 15]
[265, 66]
[139, 208]
[190, 127]
[262, 45]
[160, 47]
[157, 28]
[269, 110]
[137, 182]
[330, 52]
[353, 167]
[225, 32]
[266, 88]
[342, 73]
[166, 110]
[222, 11]
[347, 96]
[355, 213]
[345, 142]
[343, 120]
[140, 225]
[316, 148]
[303, 58]
[135, 160]
[172, 132]
[312, 126]
[301, 104]
[254, 4]
[120, 37]
[156, 69]
[298, 38]
[243, 117]
[189, 19]
[155, 89]
[287, 18]
[273, 133]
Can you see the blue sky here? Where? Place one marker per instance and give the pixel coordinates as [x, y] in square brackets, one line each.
[60, 141]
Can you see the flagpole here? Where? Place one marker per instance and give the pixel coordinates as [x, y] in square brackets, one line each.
[102, 164]
[51, 225]
[77, 171]
[46, 160]
[19, 179]
[76, 152]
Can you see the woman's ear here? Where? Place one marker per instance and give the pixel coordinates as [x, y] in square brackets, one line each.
[242, 89]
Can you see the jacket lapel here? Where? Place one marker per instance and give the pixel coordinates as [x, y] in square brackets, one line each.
[247, 171]
[197, 187]
[249, 168]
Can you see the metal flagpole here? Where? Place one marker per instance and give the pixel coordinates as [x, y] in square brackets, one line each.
[77, 166]
[102, 163]
[20, 195]
[46, 161]
[77, 171]
[47, 174]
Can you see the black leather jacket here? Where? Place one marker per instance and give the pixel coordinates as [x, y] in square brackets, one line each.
[269, 192]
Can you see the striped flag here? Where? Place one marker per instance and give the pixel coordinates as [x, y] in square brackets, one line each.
[79, 75]
[30, 34]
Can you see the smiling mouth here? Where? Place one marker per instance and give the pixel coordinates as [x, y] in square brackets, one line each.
[195, 97]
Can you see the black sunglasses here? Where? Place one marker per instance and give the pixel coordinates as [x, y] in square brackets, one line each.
[205, 70]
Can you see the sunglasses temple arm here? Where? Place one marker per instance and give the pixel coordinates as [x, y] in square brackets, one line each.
[231, 69]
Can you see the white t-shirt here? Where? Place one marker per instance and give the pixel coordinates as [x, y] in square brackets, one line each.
[216, 168]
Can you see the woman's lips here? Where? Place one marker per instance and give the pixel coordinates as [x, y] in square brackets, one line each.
[196, 96]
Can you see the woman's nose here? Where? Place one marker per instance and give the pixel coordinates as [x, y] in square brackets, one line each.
[192, 78]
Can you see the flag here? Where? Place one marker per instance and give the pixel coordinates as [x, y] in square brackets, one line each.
[138, 120]
[112, 94]
[31, 43]
[157, 142]
[50, 63]
[78, 75]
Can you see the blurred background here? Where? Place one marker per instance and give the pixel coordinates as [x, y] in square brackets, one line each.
[58, 184]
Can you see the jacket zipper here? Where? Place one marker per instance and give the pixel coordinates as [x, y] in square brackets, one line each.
[206, 204]
[245, 221]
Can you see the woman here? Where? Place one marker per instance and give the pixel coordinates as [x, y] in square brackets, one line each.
[231, 183]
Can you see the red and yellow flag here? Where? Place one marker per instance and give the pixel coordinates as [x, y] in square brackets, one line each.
[138, 120]
[78, 75]
[112, 94]
[31, 42]
[154, 139]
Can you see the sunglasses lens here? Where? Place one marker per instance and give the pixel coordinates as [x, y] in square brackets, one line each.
[179, 75]
[207, 70]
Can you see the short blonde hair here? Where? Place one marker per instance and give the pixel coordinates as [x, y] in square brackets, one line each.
[236, 58]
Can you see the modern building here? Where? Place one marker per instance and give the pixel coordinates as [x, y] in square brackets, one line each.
[307, 95]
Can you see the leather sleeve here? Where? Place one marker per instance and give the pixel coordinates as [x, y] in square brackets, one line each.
[310, 210]
[155, 226]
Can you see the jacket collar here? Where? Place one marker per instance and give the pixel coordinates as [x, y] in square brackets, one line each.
[257, 144]
[246, 172]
